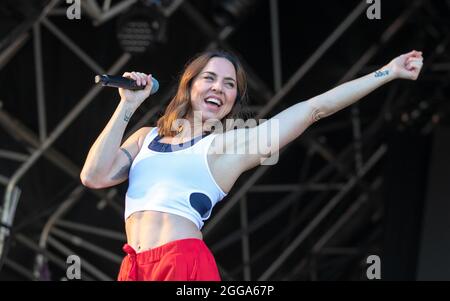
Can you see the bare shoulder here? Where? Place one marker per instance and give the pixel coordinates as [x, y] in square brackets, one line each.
[142, 133]
[225, 141]
[133, 142]
[244, 148]
[234, 148]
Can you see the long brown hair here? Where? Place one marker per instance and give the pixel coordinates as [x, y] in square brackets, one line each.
[180, 104]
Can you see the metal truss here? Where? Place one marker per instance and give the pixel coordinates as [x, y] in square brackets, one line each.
[308, 219]
[349, 164]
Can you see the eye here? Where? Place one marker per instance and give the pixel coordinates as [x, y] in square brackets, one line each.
[209, 77]
[230, 85]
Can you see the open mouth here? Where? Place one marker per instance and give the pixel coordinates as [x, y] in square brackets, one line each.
[213, 102]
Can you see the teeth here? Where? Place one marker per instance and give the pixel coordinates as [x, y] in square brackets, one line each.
[214, 100]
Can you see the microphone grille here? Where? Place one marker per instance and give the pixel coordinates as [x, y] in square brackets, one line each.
[155, 86]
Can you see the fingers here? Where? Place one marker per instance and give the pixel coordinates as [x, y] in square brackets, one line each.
[149, 82]
[413, 63]
[414, 67]
[141, 79]
[414, 54]
[413, 58]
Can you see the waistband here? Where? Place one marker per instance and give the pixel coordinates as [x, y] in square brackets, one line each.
[186, 245]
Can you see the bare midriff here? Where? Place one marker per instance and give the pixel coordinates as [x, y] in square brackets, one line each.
[150, 229]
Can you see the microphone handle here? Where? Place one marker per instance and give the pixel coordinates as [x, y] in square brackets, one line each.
[123, 82]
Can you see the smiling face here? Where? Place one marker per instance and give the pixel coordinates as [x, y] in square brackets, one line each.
[214, 89]
[213, 85]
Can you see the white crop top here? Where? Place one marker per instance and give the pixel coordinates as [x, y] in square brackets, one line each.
[174, 179]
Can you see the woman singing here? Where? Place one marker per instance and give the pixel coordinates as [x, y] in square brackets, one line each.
[180, 168]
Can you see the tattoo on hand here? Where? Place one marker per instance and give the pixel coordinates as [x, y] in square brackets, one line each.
[127, 116]
[381, 73]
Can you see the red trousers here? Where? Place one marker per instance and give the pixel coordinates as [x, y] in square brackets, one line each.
[180, 260]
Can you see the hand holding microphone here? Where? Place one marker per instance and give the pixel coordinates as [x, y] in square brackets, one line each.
[134, 87]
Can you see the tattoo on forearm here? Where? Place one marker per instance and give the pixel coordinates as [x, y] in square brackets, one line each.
[127, 116]
[381, 73]
[123, 172]
[316, 115]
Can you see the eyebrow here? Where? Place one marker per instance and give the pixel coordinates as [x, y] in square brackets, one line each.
[212, 73]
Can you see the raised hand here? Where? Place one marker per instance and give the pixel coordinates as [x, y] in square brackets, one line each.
[138, 96]
[407, 65]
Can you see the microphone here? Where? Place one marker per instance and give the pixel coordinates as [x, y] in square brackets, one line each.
[123, 82]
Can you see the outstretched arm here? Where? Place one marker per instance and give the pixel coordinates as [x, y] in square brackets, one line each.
[294, 120]
[406, 66]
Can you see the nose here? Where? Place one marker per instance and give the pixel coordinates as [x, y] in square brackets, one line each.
[217, 87]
